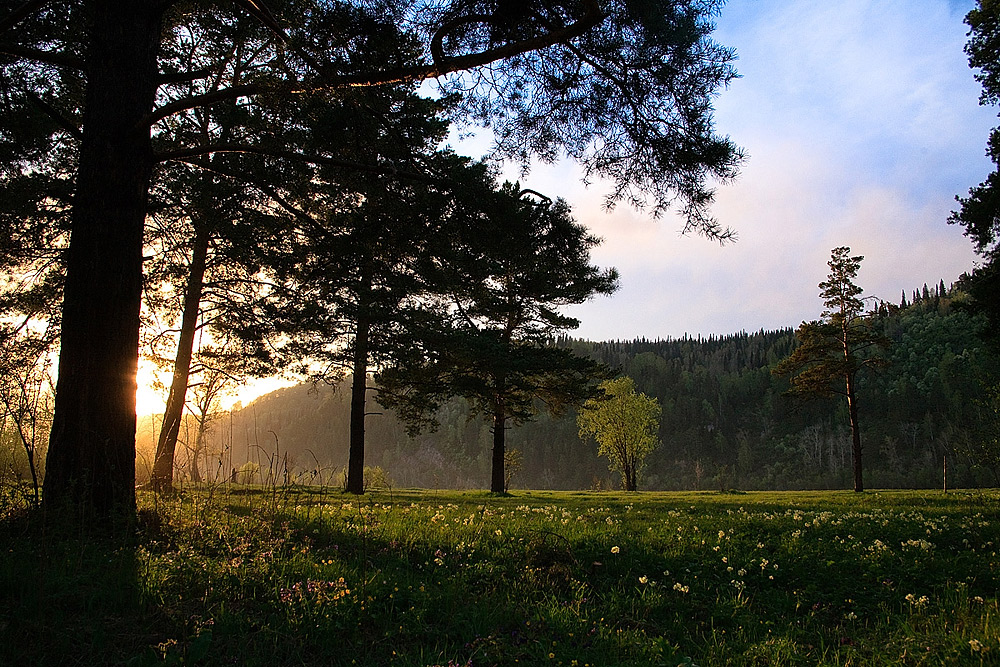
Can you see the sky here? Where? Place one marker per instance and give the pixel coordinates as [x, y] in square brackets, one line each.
[861, 120]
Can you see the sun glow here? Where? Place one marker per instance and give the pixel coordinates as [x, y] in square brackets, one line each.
[151, 396]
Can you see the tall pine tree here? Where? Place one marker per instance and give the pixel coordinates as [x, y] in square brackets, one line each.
[833, 349]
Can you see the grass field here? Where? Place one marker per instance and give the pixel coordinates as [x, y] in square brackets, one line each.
[309, 577]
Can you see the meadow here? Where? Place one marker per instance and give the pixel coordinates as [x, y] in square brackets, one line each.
[305, 576]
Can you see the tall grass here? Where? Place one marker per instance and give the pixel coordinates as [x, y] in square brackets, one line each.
[314, 577]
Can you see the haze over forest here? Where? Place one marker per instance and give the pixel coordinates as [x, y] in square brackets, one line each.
[725, 421]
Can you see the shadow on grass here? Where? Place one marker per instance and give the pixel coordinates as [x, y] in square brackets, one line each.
[69, 595]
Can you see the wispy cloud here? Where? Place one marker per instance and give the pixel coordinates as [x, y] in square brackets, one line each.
[862, 123]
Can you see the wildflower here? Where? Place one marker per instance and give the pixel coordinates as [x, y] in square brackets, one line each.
[615, 549]
[681, 588]
[978, 600]
[498, 532]
[975, 645]
[643, 579]
[551, 656]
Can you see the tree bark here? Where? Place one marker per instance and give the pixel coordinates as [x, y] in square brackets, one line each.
[162, 480]
[499, 447]
[359, 389]
[852, 409]
[90, 466]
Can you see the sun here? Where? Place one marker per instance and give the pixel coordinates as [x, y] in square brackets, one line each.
[152, 401]
[148, 400]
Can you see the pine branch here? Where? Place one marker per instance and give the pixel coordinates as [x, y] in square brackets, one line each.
[22, 12]
[186, 155]
[407, 74]
[47, 57]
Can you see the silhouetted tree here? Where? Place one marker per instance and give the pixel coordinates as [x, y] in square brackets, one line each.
[505, 276]
[363, 288]
[980, 211]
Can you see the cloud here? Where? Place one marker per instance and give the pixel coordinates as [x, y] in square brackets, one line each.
[862, 122]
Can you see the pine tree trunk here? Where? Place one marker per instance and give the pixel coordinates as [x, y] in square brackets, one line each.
[499, 445]
[162, 480]
[852, 409]
[359, 388]
[90, 466]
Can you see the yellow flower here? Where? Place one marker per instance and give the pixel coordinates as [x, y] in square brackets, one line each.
[614, 550]
[643, 580]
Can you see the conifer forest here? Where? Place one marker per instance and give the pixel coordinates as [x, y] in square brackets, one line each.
[726, 423]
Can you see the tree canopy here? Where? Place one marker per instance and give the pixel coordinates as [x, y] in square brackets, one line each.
[979, 212]
[624, 88]
[503, 279]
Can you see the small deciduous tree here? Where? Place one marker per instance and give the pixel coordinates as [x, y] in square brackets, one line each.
[625, 425]
[26, 399]
[512, 462]
[833, 349]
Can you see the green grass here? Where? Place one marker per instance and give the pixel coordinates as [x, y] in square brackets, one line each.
[304, 577]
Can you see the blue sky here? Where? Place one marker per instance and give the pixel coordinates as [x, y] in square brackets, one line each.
[862, 123]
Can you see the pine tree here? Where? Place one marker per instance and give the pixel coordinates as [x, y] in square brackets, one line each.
[834, 348]
[510, 270]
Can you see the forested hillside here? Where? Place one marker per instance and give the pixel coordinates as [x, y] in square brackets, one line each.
[725, 424]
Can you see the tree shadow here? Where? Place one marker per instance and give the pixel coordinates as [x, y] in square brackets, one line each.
[70, 594]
